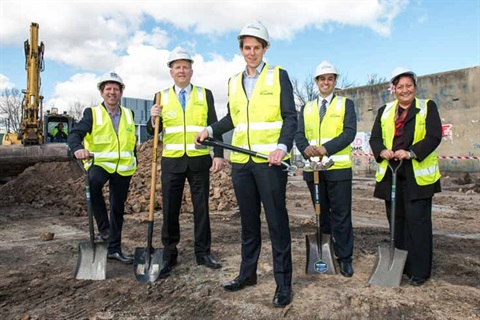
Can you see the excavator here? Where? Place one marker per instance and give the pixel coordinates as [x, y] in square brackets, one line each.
[34, 142]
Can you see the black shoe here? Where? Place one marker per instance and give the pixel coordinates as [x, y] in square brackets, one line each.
[239, 283]
[167, 267]
[417, 281]
[346, 269]
[209, 262]
[282, 298]
[120, 257]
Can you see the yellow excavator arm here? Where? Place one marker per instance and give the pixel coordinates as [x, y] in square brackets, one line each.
[31, 126]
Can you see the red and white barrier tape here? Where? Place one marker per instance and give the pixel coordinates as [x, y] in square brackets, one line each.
[439, 157]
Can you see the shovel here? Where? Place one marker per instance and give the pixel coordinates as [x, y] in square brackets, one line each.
[390, 261]
[147, 261]
[92, 257]
[319, 245]
[212, 142]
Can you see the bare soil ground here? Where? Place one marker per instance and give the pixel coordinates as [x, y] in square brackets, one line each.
[37, 276]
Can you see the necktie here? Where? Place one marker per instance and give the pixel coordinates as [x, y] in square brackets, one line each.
[323, 109]
[181, 97]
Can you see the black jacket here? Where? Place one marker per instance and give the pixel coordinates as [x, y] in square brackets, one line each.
[333, 146]
[421, 149]
[80, 130]
[177, 165]
[289, 115]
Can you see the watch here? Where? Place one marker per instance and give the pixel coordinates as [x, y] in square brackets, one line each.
[412, 154]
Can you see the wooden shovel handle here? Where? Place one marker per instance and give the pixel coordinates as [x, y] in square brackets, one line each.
[153, 181]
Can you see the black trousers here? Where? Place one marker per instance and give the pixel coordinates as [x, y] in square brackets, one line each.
[336, 214]
[172, 193]
[413, 230]
[118, 188]
[257, 184]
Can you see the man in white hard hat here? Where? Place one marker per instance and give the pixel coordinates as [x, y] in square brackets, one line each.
[108, 132]
[261, 109]
[184, 110]
[326, 128]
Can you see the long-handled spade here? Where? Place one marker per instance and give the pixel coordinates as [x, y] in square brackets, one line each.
[319, 245]
[92, 257]
[390, 261]
[147, 261]
[212, 142]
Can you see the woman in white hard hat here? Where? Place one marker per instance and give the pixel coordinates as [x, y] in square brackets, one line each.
[261, 109]
[409, 129]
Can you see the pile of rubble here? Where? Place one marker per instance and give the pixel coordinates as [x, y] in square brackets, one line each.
[62, 185]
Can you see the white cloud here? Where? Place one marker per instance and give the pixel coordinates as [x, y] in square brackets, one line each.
[5, 83]
[92, 35]
[79, 88]
[134, 37]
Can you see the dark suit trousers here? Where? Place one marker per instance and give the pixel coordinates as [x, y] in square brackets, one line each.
[172, 193]
[118, 189]
[257, 184]
[413, 230]
[336, 214]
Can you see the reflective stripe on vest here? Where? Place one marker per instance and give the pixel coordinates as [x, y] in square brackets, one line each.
[180, 127]
[332, 127]
[112, 152]
[425, 172]
[257, 121]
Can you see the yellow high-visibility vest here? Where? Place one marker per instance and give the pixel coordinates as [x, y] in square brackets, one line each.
[332, 127]
[113, 152]
[425, 172]
[257, 121]
[180, 127]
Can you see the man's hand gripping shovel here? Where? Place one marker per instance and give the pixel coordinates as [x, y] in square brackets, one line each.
[212, 142]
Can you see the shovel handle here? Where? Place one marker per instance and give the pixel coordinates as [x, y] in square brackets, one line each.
[212, 142]
[88, 199]
[153, 180]
[316, 185]
[392, 207]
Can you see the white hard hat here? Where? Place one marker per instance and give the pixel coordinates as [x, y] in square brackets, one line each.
[325, 67]
[178, 54]
[255, 29]
[111, 77]
[402, 70]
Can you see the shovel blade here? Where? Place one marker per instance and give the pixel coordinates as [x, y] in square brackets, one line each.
[323, 262]
[92, 261]
[388, 269]
[147, 264]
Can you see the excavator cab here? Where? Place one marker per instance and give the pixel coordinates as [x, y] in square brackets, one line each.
[54, 124]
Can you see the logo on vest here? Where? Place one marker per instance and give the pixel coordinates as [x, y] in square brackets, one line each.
[170, 115]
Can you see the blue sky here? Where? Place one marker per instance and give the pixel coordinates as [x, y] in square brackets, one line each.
[84, 39]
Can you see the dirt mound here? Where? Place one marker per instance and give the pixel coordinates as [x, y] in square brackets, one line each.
[62, 185]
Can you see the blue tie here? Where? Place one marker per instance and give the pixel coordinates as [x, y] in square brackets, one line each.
[323, 109]
[181, 97]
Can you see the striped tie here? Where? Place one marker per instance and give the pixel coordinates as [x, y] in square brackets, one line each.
[323, 109]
